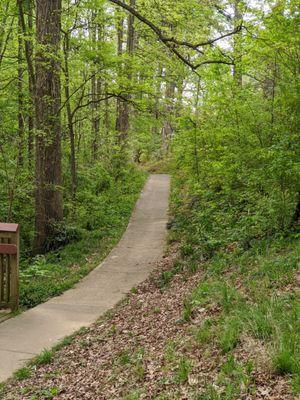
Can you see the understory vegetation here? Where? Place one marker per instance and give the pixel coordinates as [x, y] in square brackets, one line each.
[101, 216]
[206, 91]
[246, 304]
[223, 326]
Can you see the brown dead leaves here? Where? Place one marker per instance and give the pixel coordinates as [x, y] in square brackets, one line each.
[137, 349]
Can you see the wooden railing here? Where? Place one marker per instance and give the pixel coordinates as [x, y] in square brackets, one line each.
[9, 266]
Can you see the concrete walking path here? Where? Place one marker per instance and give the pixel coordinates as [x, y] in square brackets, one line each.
[129, 263]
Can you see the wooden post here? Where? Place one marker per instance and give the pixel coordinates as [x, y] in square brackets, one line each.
[9, 266]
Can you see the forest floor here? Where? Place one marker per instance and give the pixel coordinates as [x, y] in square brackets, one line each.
[102, 215]
[176, 337]
[128, 264]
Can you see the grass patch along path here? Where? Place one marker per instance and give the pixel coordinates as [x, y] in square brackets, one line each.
[148, 348]
[130, 262]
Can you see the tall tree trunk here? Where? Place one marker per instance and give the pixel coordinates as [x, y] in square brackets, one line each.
[21, 124]
[31, 84]
[237, 44]
[179, 97]
[96, 87]
[167, 129]
[27, 33]
[95, 90]
[122, 124]
[106, 111]
[157, 82]
[70, 115]
[49, 202]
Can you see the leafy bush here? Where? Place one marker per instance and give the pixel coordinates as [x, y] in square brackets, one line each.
[78, 248]
[61, 236]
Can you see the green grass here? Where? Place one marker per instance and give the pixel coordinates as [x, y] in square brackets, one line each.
[166, 276]
[286, 353]
[22, 373]
[295, 384]
[44, 358]
[134, 395]
[259, 307]
[124, 357]
[45, 394]
[248, 283]
[229, 334]
[248, 300]
[205, 333]
[183, 369]
[246, 305]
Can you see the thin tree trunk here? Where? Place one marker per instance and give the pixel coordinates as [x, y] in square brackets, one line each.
[179, 97]
[122, 125]
[21, 125]
[197, 170]
[167, 130]
[95, 92]
[70, 116]
[27, 32]
[106, 113]
[120, 113]
[237, 45]
[95, 116]
[31, 84]
[157, 79]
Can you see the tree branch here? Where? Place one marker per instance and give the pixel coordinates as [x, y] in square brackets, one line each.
[171, 43]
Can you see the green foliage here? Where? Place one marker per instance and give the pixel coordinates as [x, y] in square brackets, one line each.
[286, 353]
[183, 369]
[22, 373]
[237, 156]
[295, 382]
[49, 275]
[236, 377]
[235, 198]
[124, 357]
[166, 276]
[234, 153]
[61, 236]
[230, 334]
[205, 333]
[249, 287]
[134, 395]
[45, 394]
[44, 358]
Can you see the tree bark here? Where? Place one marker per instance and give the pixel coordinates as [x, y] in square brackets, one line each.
[167, 129]
[106, 111]
[49, 202]
[95, 89]
[31, 84]
[123, 109]
[27, 32]
[237, 74]
[121, 123]
[21, 124]
[70, 116]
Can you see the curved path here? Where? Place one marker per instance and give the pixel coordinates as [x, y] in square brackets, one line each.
[129, 263]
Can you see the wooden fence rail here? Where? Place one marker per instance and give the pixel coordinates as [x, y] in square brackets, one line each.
[9, 266]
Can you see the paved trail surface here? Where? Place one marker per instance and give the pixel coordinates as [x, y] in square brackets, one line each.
[129, 263]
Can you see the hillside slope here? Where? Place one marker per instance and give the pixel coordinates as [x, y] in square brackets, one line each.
[206, 328]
